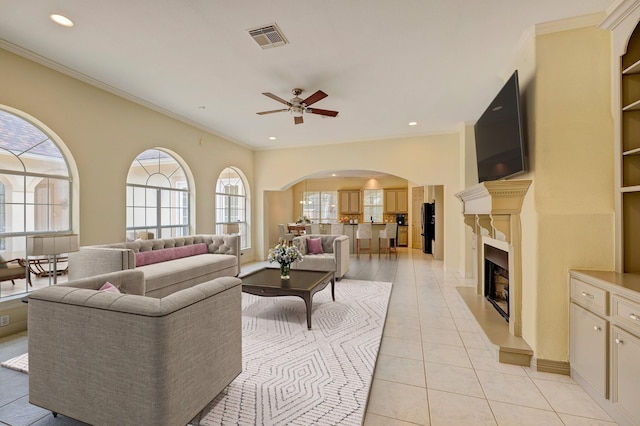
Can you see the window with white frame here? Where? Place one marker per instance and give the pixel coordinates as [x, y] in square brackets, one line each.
[232, 203]
[157, 197]
[320, 206]
[373, 204]
[35, 187]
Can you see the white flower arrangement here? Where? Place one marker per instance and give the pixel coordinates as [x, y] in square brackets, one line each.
[303, 219]
[284, 254]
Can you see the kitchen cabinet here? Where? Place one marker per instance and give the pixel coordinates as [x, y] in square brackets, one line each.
[395, 201]
[604, 340]
[403, 236]
[349, 201]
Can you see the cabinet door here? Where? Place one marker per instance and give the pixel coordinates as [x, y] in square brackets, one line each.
[625, 373]
[403, 236]
[402, 203]
[344, 202]
[354, 201]
[390, 201]
[588, 347]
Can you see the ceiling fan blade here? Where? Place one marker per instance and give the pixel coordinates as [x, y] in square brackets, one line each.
[315, 98]
[297, 120]
[276, 98]
[272, 111]
[322, 112]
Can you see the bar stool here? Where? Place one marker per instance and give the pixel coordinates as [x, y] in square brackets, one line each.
[388, 233]
[363, 233]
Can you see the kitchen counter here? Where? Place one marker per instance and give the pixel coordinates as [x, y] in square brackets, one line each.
[350, 231]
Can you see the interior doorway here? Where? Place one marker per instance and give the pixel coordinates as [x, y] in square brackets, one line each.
[417, 198]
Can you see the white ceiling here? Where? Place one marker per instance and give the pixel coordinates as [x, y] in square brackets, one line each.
[383, 63]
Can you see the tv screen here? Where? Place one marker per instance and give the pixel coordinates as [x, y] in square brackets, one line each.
[500, 145]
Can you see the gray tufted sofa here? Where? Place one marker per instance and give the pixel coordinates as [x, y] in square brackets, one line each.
[169, 264]
[126, 359]
[335, 256]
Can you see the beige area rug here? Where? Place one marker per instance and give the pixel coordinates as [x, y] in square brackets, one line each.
[19, 363]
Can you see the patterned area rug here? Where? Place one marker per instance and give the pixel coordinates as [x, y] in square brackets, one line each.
[19, 363]
[295, 376]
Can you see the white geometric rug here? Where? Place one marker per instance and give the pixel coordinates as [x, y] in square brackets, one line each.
[295, 376]
[19, 363]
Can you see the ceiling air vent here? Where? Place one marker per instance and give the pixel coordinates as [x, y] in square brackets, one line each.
[268, 36]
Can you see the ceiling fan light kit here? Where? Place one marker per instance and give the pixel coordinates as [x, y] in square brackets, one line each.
[297, 106]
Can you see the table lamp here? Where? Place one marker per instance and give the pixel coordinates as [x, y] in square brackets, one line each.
[230, 228]
[51, 245]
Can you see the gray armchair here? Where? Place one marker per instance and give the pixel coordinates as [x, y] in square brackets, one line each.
[126, 359]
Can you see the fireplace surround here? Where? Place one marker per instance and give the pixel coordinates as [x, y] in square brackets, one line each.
[492, 210]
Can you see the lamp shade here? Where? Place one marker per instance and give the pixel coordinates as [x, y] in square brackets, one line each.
[45, 245]
[230, 228]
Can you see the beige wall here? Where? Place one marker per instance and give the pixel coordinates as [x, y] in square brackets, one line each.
[103, 133]
[432, 160]
[567, 217]
[568, 214]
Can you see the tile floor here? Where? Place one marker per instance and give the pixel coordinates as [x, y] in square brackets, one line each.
[433, 367]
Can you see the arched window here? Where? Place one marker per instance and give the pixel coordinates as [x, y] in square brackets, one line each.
[231, 203]
[158, 198]
[35, 184]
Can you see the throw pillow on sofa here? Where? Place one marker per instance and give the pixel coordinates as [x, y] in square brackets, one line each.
[109, 288]
[314, 245]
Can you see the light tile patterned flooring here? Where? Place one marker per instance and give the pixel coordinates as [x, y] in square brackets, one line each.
[433, 367]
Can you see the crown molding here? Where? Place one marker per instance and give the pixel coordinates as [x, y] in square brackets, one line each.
[529, 34]
[39, 59]
[618, 12]
[576, 22]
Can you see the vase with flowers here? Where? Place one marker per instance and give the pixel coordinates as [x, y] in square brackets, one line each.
[285, 254]
[303, 220]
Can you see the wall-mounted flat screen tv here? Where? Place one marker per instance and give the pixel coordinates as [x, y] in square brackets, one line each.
[499, 133]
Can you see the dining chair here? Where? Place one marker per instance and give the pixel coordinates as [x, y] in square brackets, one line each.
[284, 235]
[312, 228]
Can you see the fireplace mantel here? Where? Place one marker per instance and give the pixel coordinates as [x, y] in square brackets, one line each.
[494, 197]
[492, 210]
[491, 204]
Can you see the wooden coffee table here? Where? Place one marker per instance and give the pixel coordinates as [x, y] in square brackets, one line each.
[267, 282]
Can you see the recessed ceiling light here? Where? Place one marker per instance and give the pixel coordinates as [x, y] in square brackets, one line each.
[61, 20]
[202, 107]
[413, 123]
[272, 138]
[333, 174]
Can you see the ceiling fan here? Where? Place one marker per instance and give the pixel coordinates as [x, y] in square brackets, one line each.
[297, 105]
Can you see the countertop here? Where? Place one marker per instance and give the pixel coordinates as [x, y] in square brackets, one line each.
[374, 223]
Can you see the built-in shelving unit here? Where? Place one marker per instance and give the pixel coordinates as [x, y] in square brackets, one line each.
[630, 155]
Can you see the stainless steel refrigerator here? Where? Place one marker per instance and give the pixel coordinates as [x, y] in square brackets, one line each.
[428, 226]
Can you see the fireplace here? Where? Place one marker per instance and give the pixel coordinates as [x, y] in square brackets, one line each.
[492, 211]
[496, 279]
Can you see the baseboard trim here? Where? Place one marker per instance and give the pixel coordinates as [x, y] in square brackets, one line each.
[550, 366]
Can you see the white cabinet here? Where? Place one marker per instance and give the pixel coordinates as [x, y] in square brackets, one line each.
[604, 340]
[588, 347]
[625, 373]
[395, 201]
